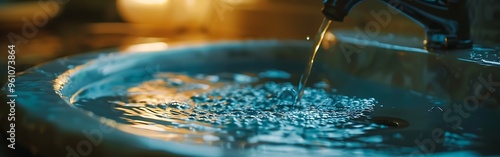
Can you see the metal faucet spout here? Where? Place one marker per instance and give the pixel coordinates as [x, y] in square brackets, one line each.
[446, 22]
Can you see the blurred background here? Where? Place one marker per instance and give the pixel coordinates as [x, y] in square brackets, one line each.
[44, 30]
[48, 29]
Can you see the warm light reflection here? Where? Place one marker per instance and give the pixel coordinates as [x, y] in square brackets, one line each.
[12, 13]
[150, 131]
[190, 3]
[166, 15]
[157, 91]
[150, 2]
[63, 79]
[149, 127]
[354, 40]
[328, 40]
[156, 46]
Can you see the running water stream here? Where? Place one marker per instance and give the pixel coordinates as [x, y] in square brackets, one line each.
[317, 43]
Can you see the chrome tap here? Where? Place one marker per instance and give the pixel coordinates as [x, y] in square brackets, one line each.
[446, 22]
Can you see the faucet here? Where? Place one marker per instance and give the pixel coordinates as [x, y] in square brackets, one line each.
[446, 22]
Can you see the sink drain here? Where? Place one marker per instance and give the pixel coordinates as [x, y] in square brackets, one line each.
[391, 122]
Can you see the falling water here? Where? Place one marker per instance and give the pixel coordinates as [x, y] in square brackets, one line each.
[317, 42]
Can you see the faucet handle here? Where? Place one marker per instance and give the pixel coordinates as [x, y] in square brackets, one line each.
[336, 10]
[440, 40]
[446, 21]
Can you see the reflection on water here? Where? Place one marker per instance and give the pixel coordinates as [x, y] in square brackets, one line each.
[251, 111]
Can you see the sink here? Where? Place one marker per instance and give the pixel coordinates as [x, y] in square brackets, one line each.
[419, 97]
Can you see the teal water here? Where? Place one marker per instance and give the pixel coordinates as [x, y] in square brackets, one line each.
[238, 111]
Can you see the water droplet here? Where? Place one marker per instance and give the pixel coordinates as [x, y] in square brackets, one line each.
[162, 106]
[287, 96]
[150, 105]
